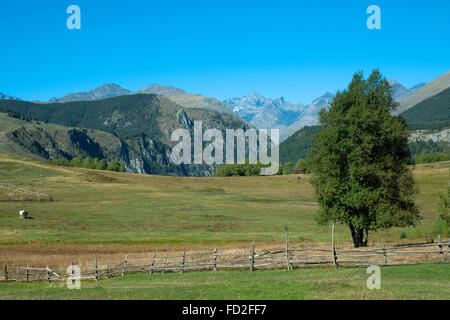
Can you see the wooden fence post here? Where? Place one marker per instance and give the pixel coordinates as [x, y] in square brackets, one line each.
[96, 270]
[125, 265]
[288, 257]
[165, 263]
[440, 248]
[6, 273]
[448, 253]
[215, 259]
[384, 250]
[107, 270]
[182, 262]
[48, 275]
[333, 248]
[72, 271]
[252, 257]
[17, 273]
[153, 263]
[27, 274]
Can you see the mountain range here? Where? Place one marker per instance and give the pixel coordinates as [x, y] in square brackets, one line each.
[400, 92]
[434, 87]
[277, 113]
[258, 111]
[291, 117]
[186, 100]
[176, 95]
[134, 129]
[103, 92]
[427, 115]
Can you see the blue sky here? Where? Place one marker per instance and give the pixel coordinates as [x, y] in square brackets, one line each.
[219, 48]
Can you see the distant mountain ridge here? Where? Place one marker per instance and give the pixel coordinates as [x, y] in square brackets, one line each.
[260, 112]
[7, 97]
[430, 114]
[103, 92]
[278, 113]
[185, 99]
[311, 115]
[428, 120]
[265, 113]
[400, 92]
[176, 95]
[434, 87]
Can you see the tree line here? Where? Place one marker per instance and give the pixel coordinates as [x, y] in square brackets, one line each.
[90, 163]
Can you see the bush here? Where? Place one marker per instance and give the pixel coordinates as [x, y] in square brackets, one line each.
[90, 163]
[442, 223]
[301, 166]
[431, 157]
[239, 170]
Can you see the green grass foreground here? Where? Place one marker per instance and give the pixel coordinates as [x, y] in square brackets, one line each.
[399, 282]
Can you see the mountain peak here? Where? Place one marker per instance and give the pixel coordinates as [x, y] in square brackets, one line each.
[107, 90]
[109, 86]
[398, 90]
[393, 82]
[161, 90]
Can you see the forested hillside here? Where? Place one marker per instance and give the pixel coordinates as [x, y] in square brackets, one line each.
[298, 145]
[141, 123]
[431, 114]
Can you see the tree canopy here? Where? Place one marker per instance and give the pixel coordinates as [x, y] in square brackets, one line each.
[359, 161]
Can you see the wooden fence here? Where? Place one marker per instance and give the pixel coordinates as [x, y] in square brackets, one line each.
[283, 257]
[40, 196]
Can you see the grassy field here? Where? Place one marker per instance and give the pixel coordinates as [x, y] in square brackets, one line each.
[102, 214]
[406, 282]
[98, 207]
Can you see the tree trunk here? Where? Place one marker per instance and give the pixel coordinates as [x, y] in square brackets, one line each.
[358, 236]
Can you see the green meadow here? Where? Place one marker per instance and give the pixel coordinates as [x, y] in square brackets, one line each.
[99, 207]
[402, 282]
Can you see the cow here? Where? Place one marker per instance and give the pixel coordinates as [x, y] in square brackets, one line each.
[23, 214]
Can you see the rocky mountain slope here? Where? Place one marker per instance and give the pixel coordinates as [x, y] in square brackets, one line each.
[310, 117]
[400, 92]
[432, 113]
[266, 113]
[278, 113]
[138, 126]
[434, 87]
[186, 100]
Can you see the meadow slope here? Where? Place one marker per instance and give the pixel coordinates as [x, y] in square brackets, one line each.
[109, 212]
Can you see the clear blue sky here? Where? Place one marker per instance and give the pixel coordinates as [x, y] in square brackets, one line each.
[219, 48]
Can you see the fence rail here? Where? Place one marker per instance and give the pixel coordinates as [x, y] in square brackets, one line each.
[287, 257]
[37, 194]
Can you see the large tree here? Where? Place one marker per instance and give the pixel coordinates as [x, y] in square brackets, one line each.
[359, 161]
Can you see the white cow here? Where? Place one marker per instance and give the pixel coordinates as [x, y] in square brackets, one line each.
[23, 214]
